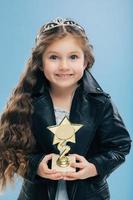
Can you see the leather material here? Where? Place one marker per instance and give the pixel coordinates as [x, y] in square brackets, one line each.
[103, 140]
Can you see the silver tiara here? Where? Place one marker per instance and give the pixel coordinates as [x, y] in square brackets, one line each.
[59, 22]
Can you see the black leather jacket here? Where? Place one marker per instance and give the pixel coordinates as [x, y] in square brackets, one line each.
[103, 141]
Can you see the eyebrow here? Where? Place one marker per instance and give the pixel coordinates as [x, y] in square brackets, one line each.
[52, 52]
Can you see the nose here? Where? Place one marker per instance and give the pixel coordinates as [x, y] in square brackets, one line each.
[63, 64]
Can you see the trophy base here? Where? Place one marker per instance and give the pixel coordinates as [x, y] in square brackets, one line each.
[63, 168]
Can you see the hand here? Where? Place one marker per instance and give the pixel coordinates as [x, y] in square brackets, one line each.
[87, 169]
[45, 172]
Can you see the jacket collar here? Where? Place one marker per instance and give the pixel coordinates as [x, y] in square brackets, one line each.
[90, 85]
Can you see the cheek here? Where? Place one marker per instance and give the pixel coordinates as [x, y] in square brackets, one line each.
[46, 70]
[48, 67]
[45, 63]
[79, 67]
[80, 72]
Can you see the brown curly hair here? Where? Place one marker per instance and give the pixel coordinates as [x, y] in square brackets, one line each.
[16, 137]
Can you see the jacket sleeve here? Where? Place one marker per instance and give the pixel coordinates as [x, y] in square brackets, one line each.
[34, 161]
[113, 139]
[34, 158]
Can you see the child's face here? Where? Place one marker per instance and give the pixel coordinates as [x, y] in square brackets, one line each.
[63, 63]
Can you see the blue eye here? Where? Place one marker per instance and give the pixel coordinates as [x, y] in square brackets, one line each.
[73, 57]
[53, 57]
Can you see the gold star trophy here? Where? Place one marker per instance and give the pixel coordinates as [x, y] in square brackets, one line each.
[63, 133]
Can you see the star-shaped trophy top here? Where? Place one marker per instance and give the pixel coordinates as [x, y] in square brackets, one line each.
[65, 131]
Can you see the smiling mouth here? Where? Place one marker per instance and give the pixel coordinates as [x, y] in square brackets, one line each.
[64, 75]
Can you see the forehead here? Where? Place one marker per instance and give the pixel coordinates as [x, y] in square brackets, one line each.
[67, 43]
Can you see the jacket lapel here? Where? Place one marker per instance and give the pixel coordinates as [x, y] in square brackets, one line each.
[80, 114]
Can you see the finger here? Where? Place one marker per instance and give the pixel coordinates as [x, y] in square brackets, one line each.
[45, 160]
[49, 171]
[77, 165]
[78, 157]
[75, 175]
[48, 157]
[56, 176]
[69, 179]
[70, 175]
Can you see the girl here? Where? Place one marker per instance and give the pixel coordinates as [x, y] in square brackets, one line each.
[58, 83]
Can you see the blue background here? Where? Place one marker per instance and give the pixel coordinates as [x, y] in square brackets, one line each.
[109, 27]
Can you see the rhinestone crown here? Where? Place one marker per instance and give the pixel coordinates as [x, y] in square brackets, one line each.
[59, 22]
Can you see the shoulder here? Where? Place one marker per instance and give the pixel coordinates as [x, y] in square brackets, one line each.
[39, 99]
[92, 88]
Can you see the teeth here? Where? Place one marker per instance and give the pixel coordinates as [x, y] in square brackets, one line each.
[64, 75]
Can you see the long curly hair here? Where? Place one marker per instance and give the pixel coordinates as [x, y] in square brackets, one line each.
[16, 138]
